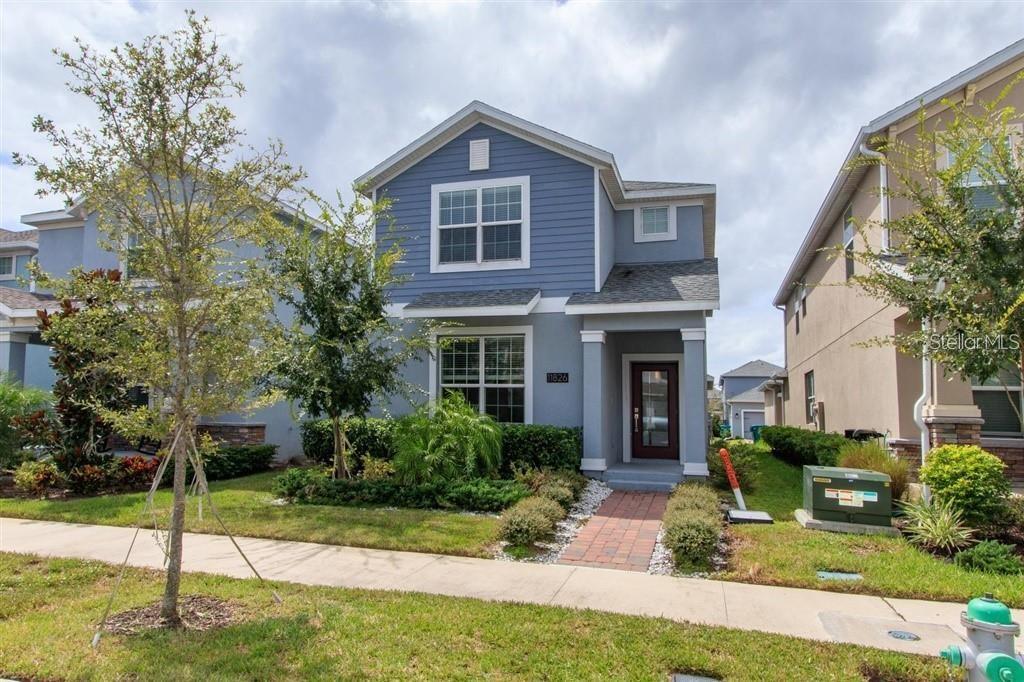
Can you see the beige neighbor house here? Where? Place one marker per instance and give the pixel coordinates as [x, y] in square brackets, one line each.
[832, 383]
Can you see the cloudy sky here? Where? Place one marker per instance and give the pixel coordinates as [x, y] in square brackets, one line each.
[762, 99]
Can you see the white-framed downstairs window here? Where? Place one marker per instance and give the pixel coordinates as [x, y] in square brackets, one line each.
[8, 267]
[480, 225]
[1001, 401]
[654, 223]
[489, 371]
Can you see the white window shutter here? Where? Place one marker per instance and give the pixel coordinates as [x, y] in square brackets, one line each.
[479, 154]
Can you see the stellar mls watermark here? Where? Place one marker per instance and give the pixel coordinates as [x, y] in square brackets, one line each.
[963, 342]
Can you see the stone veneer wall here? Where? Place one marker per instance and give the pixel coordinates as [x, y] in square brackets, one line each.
[222, 432]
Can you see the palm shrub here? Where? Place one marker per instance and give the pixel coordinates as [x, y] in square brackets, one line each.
[448, 440]
[937, 526]
[16, 401]
[871, 456]
[968, 478]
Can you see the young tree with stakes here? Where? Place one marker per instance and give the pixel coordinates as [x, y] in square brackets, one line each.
[343, 351]
[190, 209]
[957, 255]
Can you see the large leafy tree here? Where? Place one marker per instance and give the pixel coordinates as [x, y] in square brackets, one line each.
[343, 351]
[957, 256]
[190, 208]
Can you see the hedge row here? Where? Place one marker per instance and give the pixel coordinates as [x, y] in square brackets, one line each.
[746, 460]
[314, 486]
[231, 461]
[693, 524]
[534, 446]
[803, 446]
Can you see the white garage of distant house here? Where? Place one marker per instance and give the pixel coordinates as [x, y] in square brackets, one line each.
[746, 409]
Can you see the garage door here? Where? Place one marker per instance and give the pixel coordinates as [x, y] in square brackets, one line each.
[751, 418]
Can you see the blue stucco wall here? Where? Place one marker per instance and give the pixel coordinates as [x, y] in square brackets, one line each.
[556, 348]
[735, 385]
[38, 372]
[561, 216]
[61, 249]
[688, 244]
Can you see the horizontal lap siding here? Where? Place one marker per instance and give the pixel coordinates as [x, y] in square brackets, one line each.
[561, 217]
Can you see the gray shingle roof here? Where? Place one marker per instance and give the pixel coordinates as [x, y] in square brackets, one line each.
[754, 368]
[468, 299]
[690, 280]
[7, 236]
[754, 395]
[640, 185]
[21, 299]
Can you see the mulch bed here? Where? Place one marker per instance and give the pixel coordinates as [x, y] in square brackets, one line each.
[198, 613]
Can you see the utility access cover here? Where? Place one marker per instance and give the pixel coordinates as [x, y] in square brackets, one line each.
[839, 576]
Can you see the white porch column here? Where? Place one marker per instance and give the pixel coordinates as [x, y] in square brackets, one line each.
[695, 403]
[594, 456]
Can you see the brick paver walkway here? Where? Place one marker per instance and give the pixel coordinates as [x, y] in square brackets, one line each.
[620, 534]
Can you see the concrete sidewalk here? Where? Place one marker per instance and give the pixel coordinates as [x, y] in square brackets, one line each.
[825, 616]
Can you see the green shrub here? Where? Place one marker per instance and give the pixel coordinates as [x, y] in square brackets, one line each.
[556, 492]
[969, 479]
[803, 446]
[369, 437]
[447, 441]
[296, 483]
[540, 446]
[693, 525]
[873, 457]
[221, 462]
[376, 469]
[313, 486]
[35, 478]
[530, 520]
[746, 460]
[936, 526]
[989, 556]
[16, 401]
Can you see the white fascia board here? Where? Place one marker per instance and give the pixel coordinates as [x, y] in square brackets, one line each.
[19, 247]
[473, 113]
[808, 247]
[695, 191]
[475, 311]
[650, 307]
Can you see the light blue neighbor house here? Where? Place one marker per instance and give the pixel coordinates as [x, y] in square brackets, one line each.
[581, 298]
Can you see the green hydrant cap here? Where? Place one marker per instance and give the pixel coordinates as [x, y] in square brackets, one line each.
[988, 610]
[951, 654]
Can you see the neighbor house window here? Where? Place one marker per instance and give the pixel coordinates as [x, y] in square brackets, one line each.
[480, 225]
[489, 372]
[809, 396]
[848, 232]
[7, 269]
[654, 223]
[1001, 404]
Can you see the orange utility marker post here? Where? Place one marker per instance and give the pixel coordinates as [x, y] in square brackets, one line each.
[741, 515]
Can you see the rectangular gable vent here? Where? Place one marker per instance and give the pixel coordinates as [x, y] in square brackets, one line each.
[479, 154]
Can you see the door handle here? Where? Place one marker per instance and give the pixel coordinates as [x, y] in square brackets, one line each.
[636, 419]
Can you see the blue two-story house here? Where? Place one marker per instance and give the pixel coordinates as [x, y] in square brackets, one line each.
[580, 298]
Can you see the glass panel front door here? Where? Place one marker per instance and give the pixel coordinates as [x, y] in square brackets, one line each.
[654, 412]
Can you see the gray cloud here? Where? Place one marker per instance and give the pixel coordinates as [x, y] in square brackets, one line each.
[761, 99]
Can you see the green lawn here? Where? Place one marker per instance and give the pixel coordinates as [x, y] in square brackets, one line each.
[48, 608]
[245, 505]
[786, 554]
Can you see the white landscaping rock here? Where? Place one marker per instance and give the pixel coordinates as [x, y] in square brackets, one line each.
[565, 532]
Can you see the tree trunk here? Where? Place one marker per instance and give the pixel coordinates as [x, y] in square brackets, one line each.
[169, 604]
[340, 442]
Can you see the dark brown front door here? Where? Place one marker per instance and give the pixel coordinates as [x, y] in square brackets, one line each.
[654, 410]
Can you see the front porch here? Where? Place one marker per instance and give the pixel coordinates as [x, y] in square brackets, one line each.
[644, 401]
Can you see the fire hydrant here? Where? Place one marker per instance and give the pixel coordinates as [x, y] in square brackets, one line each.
[989, 655]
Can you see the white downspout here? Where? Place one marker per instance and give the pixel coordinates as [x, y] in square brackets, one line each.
[883, 194]
[924, 399]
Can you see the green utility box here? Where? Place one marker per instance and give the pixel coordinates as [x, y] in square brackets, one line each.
[847, 495]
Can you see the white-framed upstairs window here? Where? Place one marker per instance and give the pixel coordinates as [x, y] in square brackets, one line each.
[480, 225]
[654, 223]
[8, 267]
